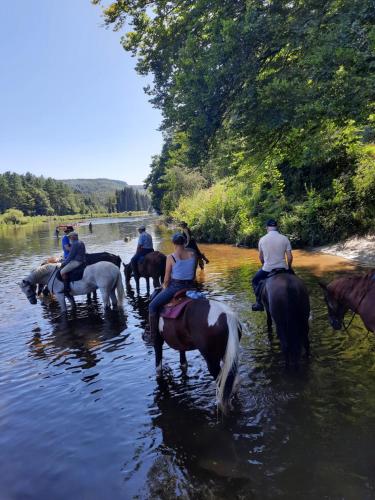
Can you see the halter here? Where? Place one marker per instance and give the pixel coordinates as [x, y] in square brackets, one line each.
[346, 327]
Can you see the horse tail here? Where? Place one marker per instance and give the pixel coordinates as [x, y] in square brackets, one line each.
[226, 379]
[119, 287]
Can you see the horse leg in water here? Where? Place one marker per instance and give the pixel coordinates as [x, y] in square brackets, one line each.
[183, 360]
[213, 364]
[269, 323]
[113, 297]
[148, 285]
[105, 297]
[158, 346]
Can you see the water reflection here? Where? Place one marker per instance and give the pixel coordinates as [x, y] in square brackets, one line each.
[81, 409]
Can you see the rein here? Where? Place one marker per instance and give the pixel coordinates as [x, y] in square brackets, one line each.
[346, 327]
[53, 275]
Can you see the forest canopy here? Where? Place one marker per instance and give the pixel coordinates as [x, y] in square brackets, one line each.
[34, 195]
[268, 110]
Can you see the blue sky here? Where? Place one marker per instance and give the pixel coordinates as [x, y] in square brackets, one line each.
[71, 103]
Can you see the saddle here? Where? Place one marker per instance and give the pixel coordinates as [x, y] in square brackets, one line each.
[176, 306]
[274, 272]
[75, 275]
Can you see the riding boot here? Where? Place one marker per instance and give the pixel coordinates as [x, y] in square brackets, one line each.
[258, 306]
[65, 279]
[154, 324]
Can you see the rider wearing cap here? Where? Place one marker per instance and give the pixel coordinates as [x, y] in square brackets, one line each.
[144, 247]
[275, 252]
[179, 273]
[76, 257]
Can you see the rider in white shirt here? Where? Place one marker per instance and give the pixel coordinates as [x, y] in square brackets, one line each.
[275, 252]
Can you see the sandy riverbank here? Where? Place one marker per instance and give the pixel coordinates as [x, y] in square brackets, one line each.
[361, 250]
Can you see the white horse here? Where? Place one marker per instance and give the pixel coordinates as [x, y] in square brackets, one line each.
[103, 275]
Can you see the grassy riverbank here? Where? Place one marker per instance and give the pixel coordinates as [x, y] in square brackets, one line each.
[15, 218]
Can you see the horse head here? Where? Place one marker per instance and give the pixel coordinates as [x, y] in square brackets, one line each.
[29, 290]
[127, 271]
[336, 310]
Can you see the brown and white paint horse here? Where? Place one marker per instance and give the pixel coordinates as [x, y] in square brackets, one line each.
[213, 329]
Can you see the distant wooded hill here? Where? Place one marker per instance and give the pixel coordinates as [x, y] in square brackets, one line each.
[46, 196]
[113, 195]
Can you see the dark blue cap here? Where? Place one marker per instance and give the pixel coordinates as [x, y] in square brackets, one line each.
[178, 239]
[271, 223]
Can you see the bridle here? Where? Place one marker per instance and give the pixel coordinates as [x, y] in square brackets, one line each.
[30, 295]
[346, 327]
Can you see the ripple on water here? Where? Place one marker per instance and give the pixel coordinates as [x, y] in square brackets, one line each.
[81, 410]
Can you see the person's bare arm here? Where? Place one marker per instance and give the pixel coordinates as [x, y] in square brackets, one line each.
[187, 236]
[289, 258]
[261, 257]
[168, 272]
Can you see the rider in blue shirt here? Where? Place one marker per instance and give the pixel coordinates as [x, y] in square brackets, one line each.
[65, 241]
[144, 247]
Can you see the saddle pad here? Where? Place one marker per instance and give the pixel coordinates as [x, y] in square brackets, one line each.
[174, 309]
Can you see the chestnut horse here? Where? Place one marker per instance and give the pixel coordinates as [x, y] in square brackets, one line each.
[356, 293]
[213, 329]
[152, 266]
[286, 301]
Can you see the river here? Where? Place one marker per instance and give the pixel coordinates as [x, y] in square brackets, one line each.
[82, 415]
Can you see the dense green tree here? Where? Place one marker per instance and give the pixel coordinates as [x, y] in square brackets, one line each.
[274, 98]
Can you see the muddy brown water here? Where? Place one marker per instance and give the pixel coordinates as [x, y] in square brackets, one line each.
[82, 415]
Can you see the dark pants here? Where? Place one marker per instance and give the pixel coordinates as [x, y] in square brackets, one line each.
[258, 277]
[135, 259]
[166, 295]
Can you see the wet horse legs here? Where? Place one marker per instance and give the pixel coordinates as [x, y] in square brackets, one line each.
[183, 360]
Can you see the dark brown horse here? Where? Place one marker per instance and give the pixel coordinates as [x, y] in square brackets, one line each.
[213, 329]
[287, 304]
[356, 293]
[152, 266]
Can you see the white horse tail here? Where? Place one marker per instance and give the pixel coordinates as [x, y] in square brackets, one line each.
[120, 287]
[226, 379]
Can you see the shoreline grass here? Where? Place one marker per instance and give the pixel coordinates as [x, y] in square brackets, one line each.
[18, 220]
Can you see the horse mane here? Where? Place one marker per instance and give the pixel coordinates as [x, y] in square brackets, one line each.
[40, 271]
[345, 285]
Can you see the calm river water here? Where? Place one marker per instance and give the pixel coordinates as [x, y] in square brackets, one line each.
[83, 417]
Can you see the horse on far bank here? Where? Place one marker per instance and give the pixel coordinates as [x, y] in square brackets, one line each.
[286, 301]
[355, 293]
[151, 266]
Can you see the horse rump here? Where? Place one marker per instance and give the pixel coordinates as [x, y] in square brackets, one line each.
[93, 258]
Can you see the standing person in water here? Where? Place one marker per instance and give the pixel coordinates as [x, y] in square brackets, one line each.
[90, 227]
[192, 244]
[275, 252]
[75, 258]
[144, 247]
[65, 243]
[179, 274]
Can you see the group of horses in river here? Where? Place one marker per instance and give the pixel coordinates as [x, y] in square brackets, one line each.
[209, 325]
